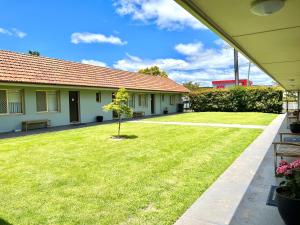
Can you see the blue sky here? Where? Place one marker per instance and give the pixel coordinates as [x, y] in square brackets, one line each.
[122, 34]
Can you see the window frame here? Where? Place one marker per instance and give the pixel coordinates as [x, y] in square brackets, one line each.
[172, 100]
[7, 102]
[132, 98]
[98, 96]
[140, 102]
[47, 105]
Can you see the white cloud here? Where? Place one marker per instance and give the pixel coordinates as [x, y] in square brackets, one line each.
[94, 62]
[134, 63]
[86, 37]
[19, 33]
[13, 32]
[198, 64]
[5, 31]
[166, 14]
[189, 49]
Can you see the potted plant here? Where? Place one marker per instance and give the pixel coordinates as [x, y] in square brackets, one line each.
[295, 127]
[99, 119]
[288, 193]
[166, 110]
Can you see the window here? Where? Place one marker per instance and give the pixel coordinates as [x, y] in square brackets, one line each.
[15, 100]
[163, 97]
[172, 99]
[98, 97]
[3, 102]
[47, 101]
[131, 101]
[143, 100]
[52, 101]
[11, 101]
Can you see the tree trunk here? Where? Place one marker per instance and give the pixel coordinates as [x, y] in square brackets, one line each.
[119, 125]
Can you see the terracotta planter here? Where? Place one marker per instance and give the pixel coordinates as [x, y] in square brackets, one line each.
[289, 209]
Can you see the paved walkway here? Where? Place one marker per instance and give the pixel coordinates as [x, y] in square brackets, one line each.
[218, 204]
[203, 124]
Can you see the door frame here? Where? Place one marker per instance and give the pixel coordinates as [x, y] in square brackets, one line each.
[78, 107]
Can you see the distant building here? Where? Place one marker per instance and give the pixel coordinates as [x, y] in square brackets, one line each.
[229, 83]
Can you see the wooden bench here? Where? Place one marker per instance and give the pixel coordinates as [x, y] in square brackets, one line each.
[282, 134]
[138, 114]
[25, 124]
[286, 149]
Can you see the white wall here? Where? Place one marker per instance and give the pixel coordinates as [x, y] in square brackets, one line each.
[89, 108]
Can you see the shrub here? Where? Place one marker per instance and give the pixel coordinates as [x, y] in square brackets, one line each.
[238, 99]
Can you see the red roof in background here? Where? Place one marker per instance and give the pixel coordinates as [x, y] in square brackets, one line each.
[24, 68]
[230, 81]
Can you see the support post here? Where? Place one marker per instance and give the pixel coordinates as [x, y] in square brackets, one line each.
[248, 79]
[236, 67]
[298, 103]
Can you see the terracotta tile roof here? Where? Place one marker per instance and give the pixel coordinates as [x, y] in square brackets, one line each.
[24, 68]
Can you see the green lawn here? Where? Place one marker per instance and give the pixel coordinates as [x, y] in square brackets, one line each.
[248, 118]
[82, 176]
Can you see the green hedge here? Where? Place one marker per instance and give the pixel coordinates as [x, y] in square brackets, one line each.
[238, 99]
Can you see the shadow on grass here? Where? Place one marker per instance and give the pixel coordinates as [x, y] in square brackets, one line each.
[4, 222]
[124, 137]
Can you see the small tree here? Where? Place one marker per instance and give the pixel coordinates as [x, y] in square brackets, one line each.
[153, 71]
[34, 53]
[120, 106]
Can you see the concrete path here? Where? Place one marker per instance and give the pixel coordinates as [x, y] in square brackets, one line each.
[218, 204]
[202, 124]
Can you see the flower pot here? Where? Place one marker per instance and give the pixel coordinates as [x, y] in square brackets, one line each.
[99, 119]
[295, 127]
[165, 111]
[288, 208]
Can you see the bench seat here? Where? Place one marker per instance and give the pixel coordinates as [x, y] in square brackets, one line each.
[138, 114]
[26, 124]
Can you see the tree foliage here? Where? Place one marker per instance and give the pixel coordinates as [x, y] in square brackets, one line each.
[34, 53]
[290, 96]
[153, 71]
[194, 86]
[238, 99]
[120, 106]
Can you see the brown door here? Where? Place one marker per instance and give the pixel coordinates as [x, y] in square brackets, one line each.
[74, 106]
[152, 104]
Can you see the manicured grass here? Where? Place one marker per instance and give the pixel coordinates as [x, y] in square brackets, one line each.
[82, 176]
[248, 118]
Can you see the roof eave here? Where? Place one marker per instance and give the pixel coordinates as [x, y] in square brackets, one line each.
[199, 14]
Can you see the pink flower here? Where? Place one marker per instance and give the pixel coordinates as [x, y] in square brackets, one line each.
[282, 163]
[282, 169]
[295, 164]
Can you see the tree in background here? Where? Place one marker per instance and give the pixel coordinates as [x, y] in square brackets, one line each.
[120, 106]
[194, 86]
[34, 53]
[153, 71]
